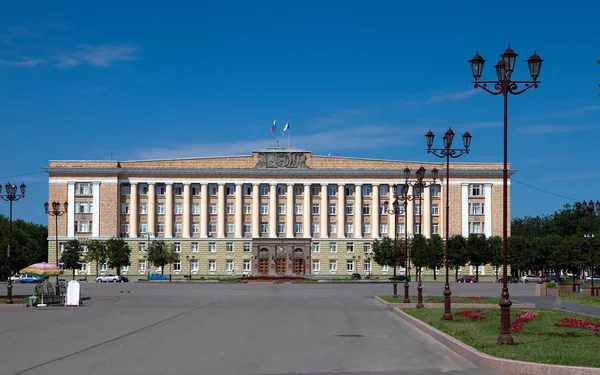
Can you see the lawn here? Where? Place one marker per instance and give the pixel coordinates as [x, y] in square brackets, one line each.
[16, 300]
[584, 298]
[440, 299]
[541, 341]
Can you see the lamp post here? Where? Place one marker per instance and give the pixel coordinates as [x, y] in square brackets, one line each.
[190, 260]
[447, 152]
[148, 236]
[10, 196]
[591, 209]
[505, 85]
[395, 211]
[422, 185]
[56, 211]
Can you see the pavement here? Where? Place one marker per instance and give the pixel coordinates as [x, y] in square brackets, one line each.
[553, 303]
[171, 328]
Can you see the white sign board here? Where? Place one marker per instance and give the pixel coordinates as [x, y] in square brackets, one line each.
[72, 293]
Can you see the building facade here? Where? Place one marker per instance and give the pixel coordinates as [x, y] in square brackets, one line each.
[278, 211]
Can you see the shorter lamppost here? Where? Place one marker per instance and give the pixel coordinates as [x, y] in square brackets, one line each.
[591, 209]
[10, 196]
[394, 211]
[148, 266]
[422, 185]
[56, 212]
[190, 259]
[447, 152]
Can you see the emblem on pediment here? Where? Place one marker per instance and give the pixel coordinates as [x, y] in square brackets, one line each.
[281, 160]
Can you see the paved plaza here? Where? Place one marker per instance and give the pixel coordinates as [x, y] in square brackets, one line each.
[177, 328]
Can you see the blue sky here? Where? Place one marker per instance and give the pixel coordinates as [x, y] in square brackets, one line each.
[356, 79]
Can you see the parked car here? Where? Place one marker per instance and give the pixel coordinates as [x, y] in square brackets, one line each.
[589, 278]
[15, 278]
[555, 278]
[356, 276]
[529, 279]
[124, 279]
[108, 278]
[398, 278]
[467, 279]
[158, 276]
[25, 278]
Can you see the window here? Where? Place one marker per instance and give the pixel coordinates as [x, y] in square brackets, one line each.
[229, 266]
[103, 267]
[160, 227]
[298, 191]
[281, 227]
[125, 189]
[160, 208]
[475, 227]
[349, 209]
[143, 227]
[315, 209]
[177, 247]
[400, 228]
[247, 227]
[84, 227]
[86, 208]
[435, 209]
[177, 266]
[281, 190]
[194, 265]
[332, 228]
[366, 190]
[264, 227]
[178, 188]
[212, 266]
[281, 209]
[212, 227]
[476, 209]
[417, 228]
[194, 247]
[367, 266]
[383, 228]
[246, 247]
[124, 208]
[62, 247]
[264, 208]
[384, 190]
[367, 248]
[247, 208]
[349, 247]
[384, 268]
[212, 190]
[143, 189]
[298, 209]
[143, 209]
[141, 246]
[435, 228]
[315, 247]
[332, 190]
[229, 190]
[315, 191]
[298, 227]
[417, 209]
[417, 191]
[332, 266]
[195, 208]
[366, 228]
[332, 247]
[316, 266]
[195, 189]
[212, 247]
[141, 266]
[246, 266]
[229, 247]
[435, 191]
[349, 227]
[366, 209]
[332, 209]
[229, 227]
[247, 190]
[178, 208]
[160, 190]
[212, 209]
[383, 210]
[264, 190]
[476, 190]
[178, 227]
[349, 266]
[315, 227]
[349, 190]
[195, 227]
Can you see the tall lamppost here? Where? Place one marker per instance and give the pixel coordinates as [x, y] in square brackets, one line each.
[148, 236]
[505, 85]
[394, 211]
[10, 196]
[422, 185]
[591, 210]
[447, 152]
[190, 259]
[56, 211]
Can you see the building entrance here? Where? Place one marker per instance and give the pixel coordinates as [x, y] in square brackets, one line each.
[264, 266]
[280, 266]
[299, 266]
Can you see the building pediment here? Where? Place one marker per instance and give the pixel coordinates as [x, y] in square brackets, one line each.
[296, 160]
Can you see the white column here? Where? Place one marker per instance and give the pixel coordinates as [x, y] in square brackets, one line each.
[255, 210]
[409, 226]
[71, 209]
[358, 211]
[187, 210]
[239, 211]
[392, 224]
[273, 210]
[133, 211]
[324, 213]
[96, 209]
[151, 209]
[289, 211]
[221, 210]
[169, 210]
[426, 213]
[341, 214]
[307, 212]
[375, 212]
[487, 191]
[465, 210]
[204, 210]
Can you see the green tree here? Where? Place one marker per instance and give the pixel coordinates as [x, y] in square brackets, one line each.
[494, 244]
[161, 254]
[71, 256]
[432, 252]
[457, 253]
[30, 245]
[118, 253]
[96, 253]
[383, 252]
[477, 252]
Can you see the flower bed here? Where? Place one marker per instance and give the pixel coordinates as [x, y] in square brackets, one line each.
[516, 326]
[475, 314]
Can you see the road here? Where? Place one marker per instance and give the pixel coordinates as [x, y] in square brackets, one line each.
[138, 328]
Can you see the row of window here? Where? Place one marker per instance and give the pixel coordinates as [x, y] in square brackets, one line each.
[316, 266]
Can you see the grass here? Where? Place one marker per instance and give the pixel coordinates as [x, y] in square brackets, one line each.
[440, 299]
[579, 349]
[16, 300]
[583, 298]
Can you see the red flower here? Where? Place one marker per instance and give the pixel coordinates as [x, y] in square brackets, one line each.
[516, 326]
[578, 323]
[474, 314]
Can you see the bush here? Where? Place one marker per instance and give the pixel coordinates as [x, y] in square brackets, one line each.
[551, 284]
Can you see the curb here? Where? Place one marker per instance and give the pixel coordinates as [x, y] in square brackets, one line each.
[12, 306]
[413, 305]
[485, 361]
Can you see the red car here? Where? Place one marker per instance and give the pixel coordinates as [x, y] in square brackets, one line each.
[467, 279]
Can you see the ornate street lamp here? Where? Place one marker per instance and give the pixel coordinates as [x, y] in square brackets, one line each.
[422, 185]
[505, 85]
[10, 196]
[447, 152]
[394, 211]
[56, 211]
[591, 209]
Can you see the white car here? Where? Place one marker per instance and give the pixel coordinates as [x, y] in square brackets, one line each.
[15, 278]
[108, 278]
[589, 278]
[529, 278]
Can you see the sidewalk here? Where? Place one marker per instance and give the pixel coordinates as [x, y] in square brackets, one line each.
[553, 303]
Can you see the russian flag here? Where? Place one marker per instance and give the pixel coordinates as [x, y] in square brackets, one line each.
[286, 127]
[274, 126]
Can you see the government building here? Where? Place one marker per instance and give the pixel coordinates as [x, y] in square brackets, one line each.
[278, 211]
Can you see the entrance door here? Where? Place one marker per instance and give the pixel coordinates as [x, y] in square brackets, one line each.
[281, 266]
[299, 266]
[264, 266]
